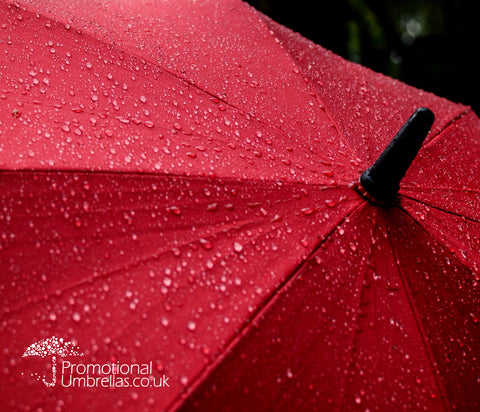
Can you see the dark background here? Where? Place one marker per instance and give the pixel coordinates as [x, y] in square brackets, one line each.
[433, 45]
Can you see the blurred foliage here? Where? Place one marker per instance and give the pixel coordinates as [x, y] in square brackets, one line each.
[426, 43]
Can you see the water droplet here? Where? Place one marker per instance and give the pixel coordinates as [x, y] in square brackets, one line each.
[212, 207]
[330, 203]
[237, 247]
[175, 210]
[191, 325]
[206, 244]
[308, 211]
[76, 317]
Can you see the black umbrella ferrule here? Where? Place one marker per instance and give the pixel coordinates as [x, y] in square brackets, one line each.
[382, 180]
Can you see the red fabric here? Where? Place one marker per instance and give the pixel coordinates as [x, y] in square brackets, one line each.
[176, 187]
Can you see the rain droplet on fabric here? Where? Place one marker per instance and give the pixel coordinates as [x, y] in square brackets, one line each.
[237, 247]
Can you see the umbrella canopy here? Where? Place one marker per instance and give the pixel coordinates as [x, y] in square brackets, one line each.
[52, 346]
[178, 186]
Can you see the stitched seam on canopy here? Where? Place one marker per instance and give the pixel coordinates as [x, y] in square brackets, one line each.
[137, 263]
[189, 82]
[141, 58]
[438, 240]
[261, 309]
[440, 209]
[452, 122]
[119, 271]
[319, 186]
[441, 241]
[154, 307]
[418, 322]
[446, 189]
[313, 89]
[354, 342]
[449, 123]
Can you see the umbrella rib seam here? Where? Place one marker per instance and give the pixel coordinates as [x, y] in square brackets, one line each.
[116, 271]
[446, 189]
[354, 341]
[179, 78]
[452, 122]
[313, 88]
[203, 374]
[406, 288]
[321, 186]
[439, 209]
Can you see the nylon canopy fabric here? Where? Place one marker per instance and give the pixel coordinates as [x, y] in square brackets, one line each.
[178, 187]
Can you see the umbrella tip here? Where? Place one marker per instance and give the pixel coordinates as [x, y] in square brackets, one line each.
[381, 181]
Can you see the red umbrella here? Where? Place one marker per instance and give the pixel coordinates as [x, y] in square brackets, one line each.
[178, 198]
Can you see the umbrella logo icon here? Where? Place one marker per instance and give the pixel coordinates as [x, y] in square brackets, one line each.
[51, 347]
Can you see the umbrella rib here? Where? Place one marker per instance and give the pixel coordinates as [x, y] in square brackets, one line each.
[260, 236]
[191, 82]
[438, 208]
[152, 308]
[236, 226]
[141, 59]
[436, 239]
[452, 122]
[313, 89]
[178, 176]
[422, 333]
[260, 310]
[446, 189]
[109, 115]
[117, 271]
[354, 342]
[440, 241]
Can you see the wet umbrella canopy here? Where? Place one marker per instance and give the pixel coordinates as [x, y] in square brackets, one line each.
[180, 186]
